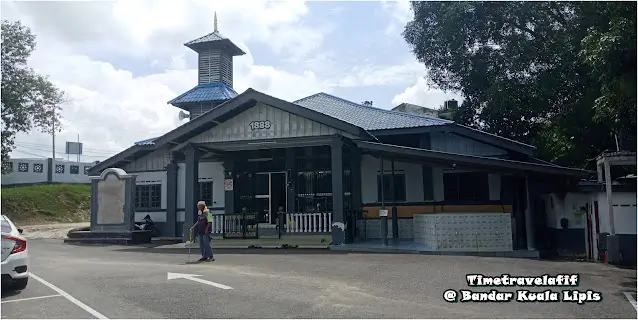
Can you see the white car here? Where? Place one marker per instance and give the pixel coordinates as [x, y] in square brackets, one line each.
[15, 256]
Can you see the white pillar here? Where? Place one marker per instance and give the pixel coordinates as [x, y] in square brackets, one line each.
[529, 221]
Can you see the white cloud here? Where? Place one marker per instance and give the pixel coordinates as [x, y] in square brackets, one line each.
[370, 75]
[421, 94]
[86, 47]
[400, 13]
[110, 108]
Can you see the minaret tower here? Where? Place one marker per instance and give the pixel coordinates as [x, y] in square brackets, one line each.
[214, 72]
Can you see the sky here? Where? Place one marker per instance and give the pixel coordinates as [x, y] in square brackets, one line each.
[119, 62]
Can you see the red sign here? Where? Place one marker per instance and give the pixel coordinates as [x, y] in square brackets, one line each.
[228, 184]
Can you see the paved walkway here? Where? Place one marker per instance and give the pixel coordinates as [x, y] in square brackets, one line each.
[134, 284]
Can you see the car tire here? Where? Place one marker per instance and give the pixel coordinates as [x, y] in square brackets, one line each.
[20, 284]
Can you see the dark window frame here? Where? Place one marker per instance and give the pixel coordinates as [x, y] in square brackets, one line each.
[59, 166]
[86, 169]
[8, 165]
[76, 171]
[399, 194]
[38, 167]
[206, 192]
[148, 196]
[466, 187]
[23, 167]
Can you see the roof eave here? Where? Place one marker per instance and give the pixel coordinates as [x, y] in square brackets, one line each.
[228, 45]
[476, 160]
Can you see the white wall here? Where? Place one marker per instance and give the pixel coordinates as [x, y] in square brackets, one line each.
[568, 207]
[370, 167]
[208, 171]
[17, 177]
[624, 216]
[67, 177]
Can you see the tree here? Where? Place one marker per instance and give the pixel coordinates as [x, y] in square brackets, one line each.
[520, 68]
[28, 99]
[609, 50]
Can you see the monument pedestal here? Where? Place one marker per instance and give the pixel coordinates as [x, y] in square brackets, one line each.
[112, 211]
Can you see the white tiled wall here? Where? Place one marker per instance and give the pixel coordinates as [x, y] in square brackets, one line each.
[464, 231]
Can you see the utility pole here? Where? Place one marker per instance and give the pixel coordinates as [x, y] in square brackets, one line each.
[53, 132]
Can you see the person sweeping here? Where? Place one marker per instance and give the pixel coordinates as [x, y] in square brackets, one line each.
[204, 225]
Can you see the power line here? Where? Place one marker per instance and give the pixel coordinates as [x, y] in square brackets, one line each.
[29, 153]
[92, 122]
[32, 144]
[84, 155]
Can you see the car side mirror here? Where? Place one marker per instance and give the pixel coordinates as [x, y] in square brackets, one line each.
[20, 230]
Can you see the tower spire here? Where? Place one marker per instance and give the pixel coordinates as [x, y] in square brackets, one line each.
[215, 22]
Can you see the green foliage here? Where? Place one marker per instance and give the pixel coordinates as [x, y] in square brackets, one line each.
[47, 203]
[609, 50]
[544, 73]
[28, 99]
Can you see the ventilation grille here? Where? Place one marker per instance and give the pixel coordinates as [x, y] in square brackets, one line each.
[215, 66]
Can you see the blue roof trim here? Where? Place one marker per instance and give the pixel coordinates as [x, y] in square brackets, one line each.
[147, 142]
[368, 118]
[215, 91]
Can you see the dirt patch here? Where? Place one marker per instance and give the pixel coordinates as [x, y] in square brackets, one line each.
[51, 231]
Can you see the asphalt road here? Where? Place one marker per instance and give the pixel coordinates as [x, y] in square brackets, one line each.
[117, 282]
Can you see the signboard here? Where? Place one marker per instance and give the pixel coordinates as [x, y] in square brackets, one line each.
[258, 125]
[383, 213]
[228, 184]
[73, 148]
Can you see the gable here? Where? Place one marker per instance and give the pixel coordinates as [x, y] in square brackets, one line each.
[263, 121]
[156, 160]
[448, 142]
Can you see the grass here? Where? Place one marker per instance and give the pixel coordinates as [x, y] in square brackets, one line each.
[50, 203]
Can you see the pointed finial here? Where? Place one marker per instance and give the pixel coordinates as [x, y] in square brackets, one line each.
[215, 22]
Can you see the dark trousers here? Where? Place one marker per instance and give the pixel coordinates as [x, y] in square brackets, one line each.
[204, 246]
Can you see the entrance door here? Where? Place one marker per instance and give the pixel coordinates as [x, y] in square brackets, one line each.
[277, 194]
[270, 194]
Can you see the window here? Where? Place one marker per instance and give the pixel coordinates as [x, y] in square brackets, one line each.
[86, 169]
[206, 192]
[398, 194]
[148, 196]
[38, 167]
[74, 169]
[8, 165]
[466, 186]
[23, 167]
[6, 227]
[59, 168]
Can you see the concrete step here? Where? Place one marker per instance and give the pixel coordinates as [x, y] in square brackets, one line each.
[121, 241]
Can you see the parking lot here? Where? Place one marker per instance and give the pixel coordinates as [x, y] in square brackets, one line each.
[119, 282]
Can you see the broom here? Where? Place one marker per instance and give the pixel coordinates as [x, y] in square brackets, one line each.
[189, 243]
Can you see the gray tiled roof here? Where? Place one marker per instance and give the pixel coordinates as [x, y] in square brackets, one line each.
[147, 142]
[217, 40]
[215, 91]
[367, 118]
[213, 36]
